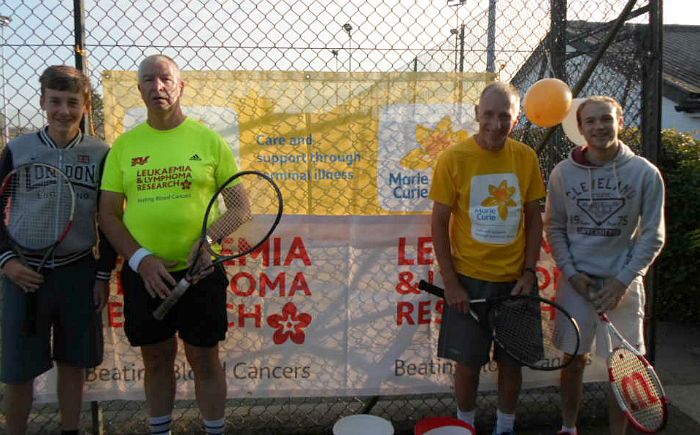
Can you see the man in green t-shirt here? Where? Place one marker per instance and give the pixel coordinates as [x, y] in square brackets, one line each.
[166, 170]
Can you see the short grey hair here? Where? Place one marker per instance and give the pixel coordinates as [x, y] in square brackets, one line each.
[504, 88]
[149, 60]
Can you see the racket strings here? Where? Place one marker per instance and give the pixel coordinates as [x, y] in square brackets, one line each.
[243, 214]
[239, 220]
[519, 327]
[37, 207]
[638, 388]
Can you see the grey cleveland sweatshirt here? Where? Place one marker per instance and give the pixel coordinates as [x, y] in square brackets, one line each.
[605, 220]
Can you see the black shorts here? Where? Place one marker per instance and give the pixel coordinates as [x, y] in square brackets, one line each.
[69, 330]
[465, 341]
[199, 317]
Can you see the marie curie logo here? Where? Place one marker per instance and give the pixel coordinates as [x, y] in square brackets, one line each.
[411, 137]
[495, 208]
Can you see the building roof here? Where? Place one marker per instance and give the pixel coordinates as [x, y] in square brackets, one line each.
[681, 53]
[681, 56]
[681, 70]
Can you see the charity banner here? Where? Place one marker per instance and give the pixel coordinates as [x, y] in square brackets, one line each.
[329, 305]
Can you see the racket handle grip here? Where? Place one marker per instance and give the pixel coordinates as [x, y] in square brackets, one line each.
[430, 288]
[171, 300]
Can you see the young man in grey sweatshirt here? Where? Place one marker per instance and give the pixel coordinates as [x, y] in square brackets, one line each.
[604, 221]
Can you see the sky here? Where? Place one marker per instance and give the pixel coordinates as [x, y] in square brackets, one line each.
[681, 12]
[280, 34]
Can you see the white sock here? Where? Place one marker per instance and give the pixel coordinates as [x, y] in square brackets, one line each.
[466, 416]
[569, 430]
[214, 427]
[160, 425]
[504, 422]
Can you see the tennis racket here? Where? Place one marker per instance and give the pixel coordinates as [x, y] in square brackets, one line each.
[523, 326]
[240, 217]
[634, 383]
[38, 204]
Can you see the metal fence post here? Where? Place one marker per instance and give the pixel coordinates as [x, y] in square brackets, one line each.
[652, 66]
[490, 39]
[5, 21]
[557, 40]
[79, 49]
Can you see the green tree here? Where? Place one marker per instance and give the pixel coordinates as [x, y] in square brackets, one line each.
[678, 295]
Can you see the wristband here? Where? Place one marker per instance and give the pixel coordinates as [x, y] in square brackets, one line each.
[137, 257]
[530, 269]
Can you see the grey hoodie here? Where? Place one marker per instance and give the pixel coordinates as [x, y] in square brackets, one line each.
[608, 220]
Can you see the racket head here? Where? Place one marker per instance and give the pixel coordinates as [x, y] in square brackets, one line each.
[242, 215]
[637, 390]
[38, 206]
[517, 341]
[524, 326]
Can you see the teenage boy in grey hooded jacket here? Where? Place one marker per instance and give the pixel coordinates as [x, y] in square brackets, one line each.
[604, 221]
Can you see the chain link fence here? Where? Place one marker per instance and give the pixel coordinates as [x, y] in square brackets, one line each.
[520, 41]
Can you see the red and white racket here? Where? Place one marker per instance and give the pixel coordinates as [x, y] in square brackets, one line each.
[634, 383]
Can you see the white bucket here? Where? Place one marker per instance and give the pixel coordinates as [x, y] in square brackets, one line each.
[363, 424]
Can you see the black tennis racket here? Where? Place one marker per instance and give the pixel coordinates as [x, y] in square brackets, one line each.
[523, 326]
[240, 217]
[38, 204]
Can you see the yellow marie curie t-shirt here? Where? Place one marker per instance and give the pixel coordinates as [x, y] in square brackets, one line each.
[487, 191]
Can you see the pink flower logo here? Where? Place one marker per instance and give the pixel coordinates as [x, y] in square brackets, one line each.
[289, 324]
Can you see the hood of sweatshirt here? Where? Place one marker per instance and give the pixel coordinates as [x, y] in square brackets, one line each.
[578, 157]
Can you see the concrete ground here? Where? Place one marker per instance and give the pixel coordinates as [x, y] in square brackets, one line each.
[677, 362]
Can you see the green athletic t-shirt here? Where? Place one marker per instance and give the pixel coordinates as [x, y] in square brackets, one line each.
[168, 178]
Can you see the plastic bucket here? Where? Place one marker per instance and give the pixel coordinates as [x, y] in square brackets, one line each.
[443, 426]
[363, 424]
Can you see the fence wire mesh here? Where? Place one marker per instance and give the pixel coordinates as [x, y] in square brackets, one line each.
[521, 41]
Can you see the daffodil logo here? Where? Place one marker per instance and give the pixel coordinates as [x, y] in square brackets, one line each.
[501, 197]
[432, 142]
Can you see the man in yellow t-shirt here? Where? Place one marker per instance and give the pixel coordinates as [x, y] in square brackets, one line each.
[489, 187]
[167, 169]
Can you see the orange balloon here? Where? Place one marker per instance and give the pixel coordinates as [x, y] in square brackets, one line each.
[547, 102]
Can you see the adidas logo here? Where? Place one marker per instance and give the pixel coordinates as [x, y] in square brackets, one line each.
[195, 157]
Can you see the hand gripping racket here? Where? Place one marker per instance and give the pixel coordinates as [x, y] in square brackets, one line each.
[240, 217]
[634, 383]
[38, 203]
[523, 325]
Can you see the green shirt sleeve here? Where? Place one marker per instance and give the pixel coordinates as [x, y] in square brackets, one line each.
[226, 167]
[112, 177]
